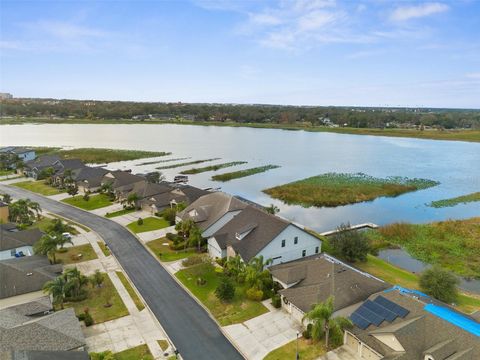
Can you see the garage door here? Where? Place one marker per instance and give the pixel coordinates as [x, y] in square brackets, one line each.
[352, 343]
[369, 354]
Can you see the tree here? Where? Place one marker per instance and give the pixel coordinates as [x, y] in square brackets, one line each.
[57, 226]
[47, 245]
[56, 288]
[68, 177]
[349, 244]
[6, 198]
[132, 200]
[272, 209]
[24, 211]
[97, 278]
[46, 174]
[184, 227]
[195, 237]
[256, 276]
[225, 291]
[323, 322]
[74, 282]
[155, 177]
[235, 267]
[107, 188]
[440, 283]
[72, 190]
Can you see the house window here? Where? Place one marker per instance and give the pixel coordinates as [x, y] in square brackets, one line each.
[316, 250]
[283, 243]
[295, 240]
[304, 252]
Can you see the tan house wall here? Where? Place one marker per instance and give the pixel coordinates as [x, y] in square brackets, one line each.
[4, 214]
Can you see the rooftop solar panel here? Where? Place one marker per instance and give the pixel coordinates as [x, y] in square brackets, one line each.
[380, 310]
[369, 315]
[359, 321]
[389, 305]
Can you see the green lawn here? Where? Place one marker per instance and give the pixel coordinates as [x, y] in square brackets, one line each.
[6, 172]
[163, 344]
[83, 227]
[72, 255]
[238, 310]
[306, 350]
[119, 213]
[133, 294]
[334, 189]
[149, 224]
[104, 248]
[465, 199]
[39, 187]
[97, 298]
[396, 276]
[140, 352]
[164, 253]
[45, 223]
[95, 202]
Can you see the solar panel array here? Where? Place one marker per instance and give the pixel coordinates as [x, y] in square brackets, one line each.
[377, 311]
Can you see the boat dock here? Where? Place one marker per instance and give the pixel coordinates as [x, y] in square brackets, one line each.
[353, 227]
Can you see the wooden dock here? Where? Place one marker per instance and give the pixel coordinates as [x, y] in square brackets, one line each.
[353, 227]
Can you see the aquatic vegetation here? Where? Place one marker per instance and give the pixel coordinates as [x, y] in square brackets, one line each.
[456, 200]
[242, 173]
[212, 167]
[185, 164]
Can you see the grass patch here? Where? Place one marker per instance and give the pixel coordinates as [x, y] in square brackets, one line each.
[95, 202]
[307, 350]
[452, 244]
[104, 248]
[212, 167]
[397, 276]
[72, 223]
[162, 161]
[185, 164]
[163, 344]
[38, 187]
[7, 172]
[72, 255]
[334, 189]
[164, 253]
[119, 213]
[133, 294]
[456, 200]
[243, 173]
[149, 224]
[238, 310]
[92, 155]
[140, 352]
[96, 300]
[45, 223]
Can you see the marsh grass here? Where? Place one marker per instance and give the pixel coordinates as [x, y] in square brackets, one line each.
[212, 167]
[456, 200]
[185, 164]
[243, 173]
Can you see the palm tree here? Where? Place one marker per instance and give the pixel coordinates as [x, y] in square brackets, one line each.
[255, 273]
[24, 211]
[67, 177]
[56, 288]
[132, 199]
[47, 245]
[74, 281]
[185, 227]
[235, 266]
[323, 322]
[272, 209]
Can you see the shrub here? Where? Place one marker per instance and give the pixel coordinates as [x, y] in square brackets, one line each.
[440, 284]
[169, 215]
[220, 261]
[88, 319]
[307, 333]
[171, 236]
[225, 291]
[105, 355]
[81, 317]
[276, 301]
[177, 246]
[86, 197]
[351, 245]
[254, 294]
[140, 221]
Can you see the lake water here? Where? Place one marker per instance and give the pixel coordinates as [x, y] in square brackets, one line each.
[456, 165]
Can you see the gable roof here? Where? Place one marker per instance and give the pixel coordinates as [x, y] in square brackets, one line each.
[210, 208]
[320, 276]
[33, 307]
[15, 239]
[421, 332]
[259, 229]
[121, 178]
[146, 189]
[56, 331]
[43, 161]
[26, 274]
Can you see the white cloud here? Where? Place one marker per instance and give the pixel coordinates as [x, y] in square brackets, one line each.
[315, 20]
[404, 13]
[475, 75]
[66, 30]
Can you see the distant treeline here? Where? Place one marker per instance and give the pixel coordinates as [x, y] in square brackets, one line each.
[358, 117]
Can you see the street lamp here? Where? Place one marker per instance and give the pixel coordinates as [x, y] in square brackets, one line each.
[297, 356]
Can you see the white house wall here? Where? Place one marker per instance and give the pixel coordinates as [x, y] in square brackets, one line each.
[291, 251]
[214, 249]
[217, 225]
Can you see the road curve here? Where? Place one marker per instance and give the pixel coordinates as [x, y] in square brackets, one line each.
[188, 325]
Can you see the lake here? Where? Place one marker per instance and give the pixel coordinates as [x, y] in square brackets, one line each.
[456, 165]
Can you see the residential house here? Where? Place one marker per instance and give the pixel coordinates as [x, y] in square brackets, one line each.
[65, 169]
[46, 355]
[402, 324]
[147, 190]
[35, 327]
[89, 179]
[19, 243]
[179, 194]
[254, 232]
[122, 182]
[4, 212]
[314, 279]
[26, 274]
[212, 211]
[11, 154]
[34, 168]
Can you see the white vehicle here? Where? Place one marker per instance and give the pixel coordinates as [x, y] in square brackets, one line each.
[67, 235]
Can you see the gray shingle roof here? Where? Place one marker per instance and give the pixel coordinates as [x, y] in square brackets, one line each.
[34, 307]
[261, 229]
[318, 278]
[42, 161]
[49, 355]
[12, 240]
[121, 179]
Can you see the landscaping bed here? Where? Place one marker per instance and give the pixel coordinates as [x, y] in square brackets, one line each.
[149, 224]
[97, 298]
[238, 310]
[95, 201]
[243, 173]
[76, 254]
[334, 189]
[162, 249]
[39, 187]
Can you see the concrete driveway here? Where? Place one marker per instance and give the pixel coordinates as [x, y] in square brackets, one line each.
[188, 325]
[259, 336]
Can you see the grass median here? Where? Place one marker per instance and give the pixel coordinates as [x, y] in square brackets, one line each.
[131, 291]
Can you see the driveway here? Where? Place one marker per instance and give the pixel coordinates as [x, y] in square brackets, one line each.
[259, 336]
[191, 329]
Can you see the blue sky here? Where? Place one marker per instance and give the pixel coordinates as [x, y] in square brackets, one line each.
[317, 52]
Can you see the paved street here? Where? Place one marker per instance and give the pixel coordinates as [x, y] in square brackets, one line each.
[190, 328]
